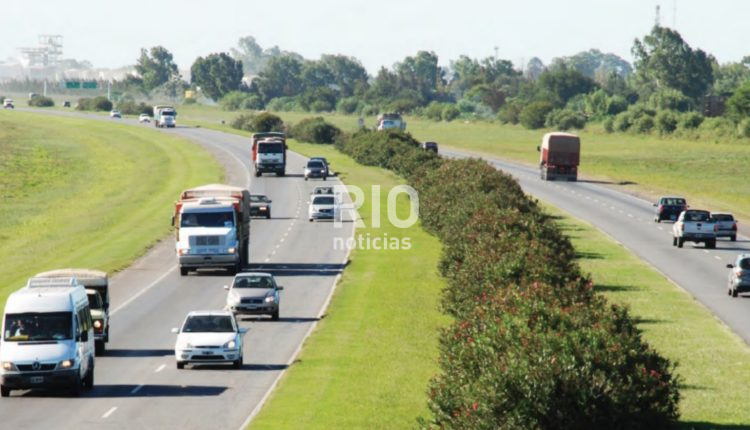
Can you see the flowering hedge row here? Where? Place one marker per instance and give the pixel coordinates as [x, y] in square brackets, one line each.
[531, 344]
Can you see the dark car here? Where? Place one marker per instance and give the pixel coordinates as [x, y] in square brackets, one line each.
[669, 208]
[66, 103]
[325, 162]
[260, 205]
[316, 169]
[430, 146]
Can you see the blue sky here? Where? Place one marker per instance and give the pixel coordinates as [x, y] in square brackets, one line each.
[378, 32]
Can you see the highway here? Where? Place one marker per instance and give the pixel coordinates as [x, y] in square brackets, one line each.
[137, 384]
[630, 221]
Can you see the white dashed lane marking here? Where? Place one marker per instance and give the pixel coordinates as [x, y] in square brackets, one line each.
[109, 412]
[160, 368]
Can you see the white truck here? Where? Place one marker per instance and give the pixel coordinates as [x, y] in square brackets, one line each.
[269, 153]
[694, 225]
[165, 116]
[212, 228]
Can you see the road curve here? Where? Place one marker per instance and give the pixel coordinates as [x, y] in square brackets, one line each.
[630, 220]
[136, 382]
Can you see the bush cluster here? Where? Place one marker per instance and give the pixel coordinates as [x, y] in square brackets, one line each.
[41, 101]
[133, 108]
[260, 123]
[314, 130]
[531, 344]
[99, 103]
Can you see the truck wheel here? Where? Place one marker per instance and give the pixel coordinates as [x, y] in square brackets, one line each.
[275, 315]
[735, 293]
[99, 347]
[729, 291]
[325, 178]
[88, 381]
[711, 244]
[257, 173]
[268, 215]
[305, 177]
[734, 238]
[75, 390]
[184, 271]
[674, 241]
[4, 391]
[180, 365]
[657, 219]
[680, 242]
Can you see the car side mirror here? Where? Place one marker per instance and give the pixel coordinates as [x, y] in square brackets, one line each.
[226, 287]
[730, 266]
[270, 201]
[280, 287]
[175, 330]
[242, 330]
[656, 204]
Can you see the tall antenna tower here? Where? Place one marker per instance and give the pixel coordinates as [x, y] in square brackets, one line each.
[657, 20]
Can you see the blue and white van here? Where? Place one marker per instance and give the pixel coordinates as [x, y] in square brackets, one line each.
[47, 338]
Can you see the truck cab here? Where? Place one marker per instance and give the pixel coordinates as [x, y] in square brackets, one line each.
[165, 116]
[212, 228]
[269, 153]
[559, 156]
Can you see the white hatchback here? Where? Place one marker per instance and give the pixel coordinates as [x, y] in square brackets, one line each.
[324, 206]
[208, 337]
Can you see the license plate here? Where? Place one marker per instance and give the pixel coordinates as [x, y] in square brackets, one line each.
[207, 353]
[36, 379]
[673, 217]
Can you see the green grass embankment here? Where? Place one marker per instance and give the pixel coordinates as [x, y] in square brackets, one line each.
[84, 193]
[368, 362]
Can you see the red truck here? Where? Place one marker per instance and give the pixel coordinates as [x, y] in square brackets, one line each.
[212, 228]
[269, 153]
[559, 156]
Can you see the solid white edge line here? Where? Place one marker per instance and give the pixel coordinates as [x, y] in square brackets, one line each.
[140, 293]
[109, 412]
[296, 352]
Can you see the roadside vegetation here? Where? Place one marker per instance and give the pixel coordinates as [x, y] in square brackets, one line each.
[371, 357]
[80, 193]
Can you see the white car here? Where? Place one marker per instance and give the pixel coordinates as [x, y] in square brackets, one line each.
[144, 118]
[254, 293]
[208, 337]
[115, 114]
[324, 206]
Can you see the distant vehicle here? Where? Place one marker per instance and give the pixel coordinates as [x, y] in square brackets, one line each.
[429, 146]
[94, 281]
[208, 337]
[165, 116]
[323, 190]
[48, 338]
[212, 228]
[32, 95]
[323, 206]
[316, 169]
[260, 205]
[669, 208]
[695, 226]
[8, 104]
[269, 153]
[390, 121]
[66, 103]
[144, 118]
[739, 277]
[726, 225]
[325, 162]
[559, 156]
[115, 114]
[254, 294]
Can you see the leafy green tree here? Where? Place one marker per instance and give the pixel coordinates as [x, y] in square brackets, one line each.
[534, 68]
[282, 77]
[346, 73]
[254, 58]
[217, 75]
[594, 62]
[422, 74]
[738, 106]
[564, 83]
[534, 114]
[665, 60]
[156, 67]
[729, 77]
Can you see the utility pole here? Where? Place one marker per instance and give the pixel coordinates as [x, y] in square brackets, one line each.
[657, 20]
[109, 90]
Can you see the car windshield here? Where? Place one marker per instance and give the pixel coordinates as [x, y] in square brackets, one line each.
[271, 148]
[322, 160]
[38, 326]
[257, 198]
[95, 300]
[207, 219]
[323, 190]
[208, 324]
[722, 217]
[253, 282]
[323, 200]
[673, 202]
[315, 164]
[696, 216]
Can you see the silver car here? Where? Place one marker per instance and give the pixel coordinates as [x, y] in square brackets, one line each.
[254, 293]
[726, 225]
[739, 276]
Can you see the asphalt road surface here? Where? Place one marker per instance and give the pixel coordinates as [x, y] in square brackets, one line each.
[137, 384]
[630, 221]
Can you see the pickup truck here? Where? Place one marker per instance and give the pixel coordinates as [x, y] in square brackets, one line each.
[695, 226]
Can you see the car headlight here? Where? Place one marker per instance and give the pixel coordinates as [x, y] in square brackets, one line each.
[231, 250]
[7, 365]
[97, 324]
[231, 344]
[270, 299]
[186, 345]
[263, 208]
[184, 251]
[233, 298]
[66, 364]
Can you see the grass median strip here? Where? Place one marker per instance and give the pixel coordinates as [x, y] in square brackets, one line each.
[86, 193]
[368, 363]
[712, 360]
